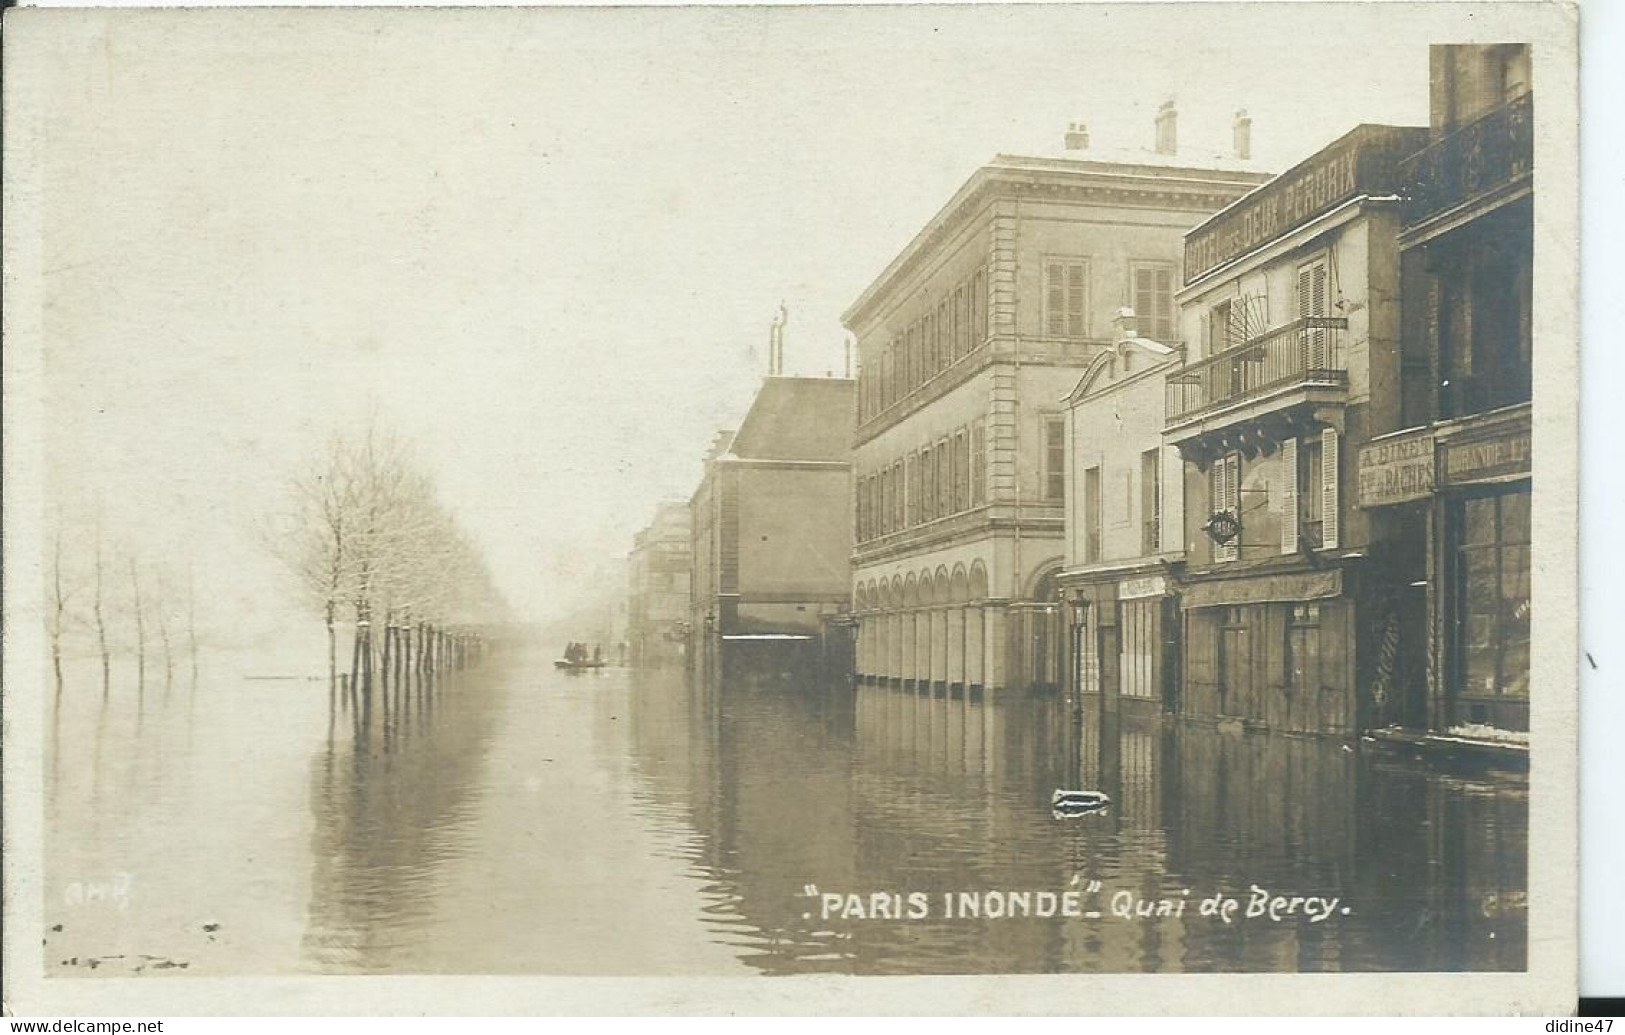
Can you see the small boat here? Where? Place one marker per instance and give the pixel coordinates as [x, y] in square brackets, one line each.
[573, 665]
[1065, 804]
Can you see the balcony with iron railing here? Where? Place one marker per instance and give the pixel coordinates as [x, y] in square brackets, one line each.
[1489, 158]
[1307, 354]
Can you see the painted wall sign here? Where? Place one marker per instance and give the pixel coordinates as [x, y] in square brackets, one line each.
[1363, 161]
[1485, 458]
[1145, 586]
[1396, 470]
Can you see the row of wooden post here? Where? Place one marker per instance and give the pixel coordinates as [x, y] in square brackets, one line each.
[417, 650]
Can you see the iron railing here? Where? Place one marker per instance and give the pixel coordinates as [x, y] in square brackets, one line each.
[1310, 350]
[1475, 160]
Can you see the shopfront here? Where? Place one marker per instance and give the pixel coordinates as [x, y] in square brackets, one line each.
[1124, 640]
[1469, 480]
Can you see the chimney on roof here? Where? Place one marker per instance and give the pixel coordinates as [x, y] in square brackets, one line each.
[1124, 325]
[1242, 134]
[1167, 129]
[1077, 137]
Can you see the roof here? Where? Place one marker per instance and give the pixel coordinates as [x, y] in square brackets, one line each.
[1212, 184]
[798, 418]
[1160, 356]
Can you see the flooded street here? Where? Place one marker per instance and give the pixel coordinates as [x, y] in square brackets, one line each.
[514, 819]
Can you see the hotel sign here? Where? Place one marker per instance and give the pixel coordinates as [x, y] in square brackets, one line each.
[1397, 469]
[1364, 161]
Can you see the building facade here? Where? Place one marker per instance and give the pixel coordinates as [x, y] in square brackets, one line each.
[658, 572]
[1124, 507]
[772, 536]
[968, 342]
[1291, 320]
[1457, 480]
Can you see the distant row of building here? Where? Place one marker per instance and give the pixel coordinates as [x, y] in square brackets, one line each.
[1174, 432]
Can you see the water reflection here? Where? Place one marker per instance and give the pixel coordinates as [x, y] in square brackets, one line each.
[391, 796]
[513, 819]
[885, 790]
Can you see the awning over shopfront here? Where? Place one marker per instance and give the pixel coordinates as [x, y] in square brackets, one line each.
[1260, 589]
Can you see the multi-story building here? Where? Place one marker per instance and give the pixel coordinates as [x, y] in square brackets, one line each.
[1291, 322]
[1457, 481]
[968, 342]
[771, 526]
[1124, 511]
[658, 571]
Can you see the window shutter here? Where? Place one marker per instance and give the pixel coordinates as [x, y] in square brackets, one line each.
[1074, 300]
[1328, 488]
[1289, 496]
[1055, 299]
[1226, 491]
[1312, 302]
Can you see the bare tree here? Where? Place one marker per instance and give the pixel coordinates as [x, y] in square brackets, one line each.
[59, 610]
[191, 620]
[367, 534]
[99, 609]
[138, 609]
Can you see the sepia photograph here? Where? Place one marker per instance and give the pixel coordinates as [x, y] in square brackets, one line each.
[767, 504]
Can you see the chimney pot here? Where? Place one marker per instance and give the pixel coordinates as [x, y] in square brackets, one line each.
[1167, 129]
[1243, 134]
[1077, 137]
[1124, 324]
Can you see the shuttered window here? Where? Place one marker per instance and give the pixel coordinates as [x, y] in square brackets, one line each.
[928, 485]
[1064, 298]
[1054, 458]
[1154, 300]
[1328, 489]
[978, 464]
[961, 472]
[945, 478]
[1312, 303]
[1291, 480]
[1091, 515]
[978, 309]
[1226, 489]
[1151, 501]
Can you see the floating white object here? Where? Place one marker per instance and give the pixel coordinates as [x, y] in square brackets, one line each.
[1079, 800]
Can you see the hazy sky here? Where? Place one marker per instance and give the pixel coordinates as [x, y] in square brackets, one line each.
[546, 245]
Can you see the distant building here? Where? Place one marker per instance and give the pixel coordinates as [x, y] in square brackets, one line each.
[772, 533]
[1457, 480]
[1291, 321]
[658, 573]
[968, 343]
[1124, 514]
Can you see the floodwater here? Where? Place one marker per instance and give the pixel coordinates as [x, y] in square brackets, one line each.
[514, 819]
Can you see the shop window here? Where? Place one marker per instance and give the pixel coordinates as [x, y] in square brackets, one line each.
[1137, 627]
[1303, 647]
[1493, 600]
[1235, 655]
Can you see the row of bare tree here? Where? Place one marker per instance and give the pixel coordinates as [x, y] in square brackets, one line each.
[371, 547]
[117, 604]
